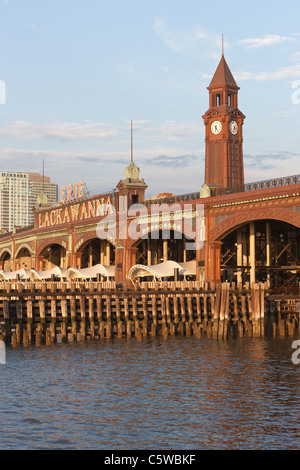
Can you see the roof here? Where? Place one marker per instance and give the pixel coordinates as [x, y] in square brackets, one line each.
[223, 75]
[23, 273]
[90, 273]
[85, 273]
[57, 272]
[165, 269]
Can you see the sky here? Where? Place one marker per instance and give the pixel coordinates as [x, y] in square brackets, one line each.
[74, 73]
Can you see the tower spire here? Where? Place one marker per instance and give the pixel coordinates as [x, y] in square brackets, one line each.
[224, 137]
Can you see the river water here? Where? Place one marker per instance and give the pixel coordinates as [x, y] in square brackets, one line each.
[182, 393]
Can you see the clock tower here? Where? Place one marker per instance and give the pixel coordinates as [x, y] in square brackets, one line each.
[224, 139]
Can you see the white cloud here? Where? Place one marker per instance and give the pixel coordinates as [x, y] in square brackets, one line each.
[286, 113]
[268, 40]
[101, 170]
[165, 131]
[292, 71]
[188, 41]
[179, 41]
[270, 165]
[171, 130]
[61, 130]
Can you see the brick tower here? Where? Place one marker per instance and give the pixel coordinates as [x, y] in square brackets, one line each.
[224, 138]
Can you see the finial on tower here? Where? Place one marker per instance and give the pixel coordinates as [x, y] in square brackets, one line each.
[222, 45]
[132, 171]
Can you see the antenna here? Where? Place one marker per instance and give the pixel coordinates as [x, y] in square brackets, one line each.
[131, 144]
[222, 45]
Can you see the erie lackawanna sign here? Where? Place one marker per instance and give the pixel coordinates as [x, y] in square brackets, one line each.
[87, 209]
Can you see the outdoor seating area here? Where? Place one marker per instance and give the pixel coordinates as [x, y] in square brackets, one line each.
[165, 270]
[58, 273]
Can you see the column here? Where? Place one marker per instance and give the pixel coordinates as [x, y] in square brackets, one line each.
[268, 247]
[119, 262]
[184, 248]
[245, 248]
[130, 258]
[213, 261]
[165, 250]
[77, 258]
[149, 258]
[39, 263]
[155, 243]
[107, 253]
[90, 254]
[68, 260]
[62, 257]
[200, 263]
[252, 252]
[102, 242]
[239, 256]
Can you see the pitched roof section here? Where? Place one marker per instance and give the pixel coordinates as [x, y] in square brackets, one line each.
[223, 75]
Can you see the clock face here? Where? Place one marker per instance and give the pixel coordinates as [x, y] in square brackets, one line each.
[216, 127]
[233, 127]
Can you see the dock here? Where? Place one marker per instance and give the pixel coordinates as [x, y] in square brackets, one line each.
[36, 313]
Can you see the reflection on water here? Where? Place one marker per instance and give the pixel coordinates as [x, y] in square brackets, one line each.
[182, 393]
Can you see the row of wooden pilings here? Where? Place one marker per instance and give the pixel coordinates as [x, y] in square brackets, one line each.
[45, 312]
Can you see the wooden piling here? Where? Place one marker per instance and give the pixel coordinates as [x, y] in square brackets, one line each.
[154, 316]
[204, 310]
[29, 320]
[64, 313]
[135, 317]
[82, 317]
[48, 338]
[25, 339]
[38, 338]
[6, 315]
[108, 326]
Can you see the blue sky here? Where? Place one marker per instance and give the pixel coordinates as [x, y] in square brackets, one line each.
[77, 72]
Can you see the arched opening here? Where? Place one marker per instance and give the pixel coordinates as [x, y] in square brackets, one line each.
[95, 251]
[6, 261]
[262, 250]
[165, 246]
[54, 255]
[24, 259]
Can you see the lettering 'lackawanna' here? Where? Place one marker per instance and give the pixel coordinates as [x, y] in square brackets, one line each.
[81, 211]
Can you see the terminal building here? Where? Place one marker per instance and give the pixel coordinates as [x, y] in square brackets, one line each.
[225, 230]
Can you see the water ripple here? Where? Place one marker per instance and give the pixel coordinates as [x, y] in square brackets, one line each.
[180, 393]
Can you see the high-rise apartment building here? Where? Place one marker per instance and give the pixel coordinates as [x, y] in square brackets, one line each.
[40, 183]
[19, 193]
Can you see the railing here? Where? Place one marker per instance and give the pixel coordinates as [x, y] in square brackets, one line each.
[264, 184]
[254, 186]
[173, 199]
